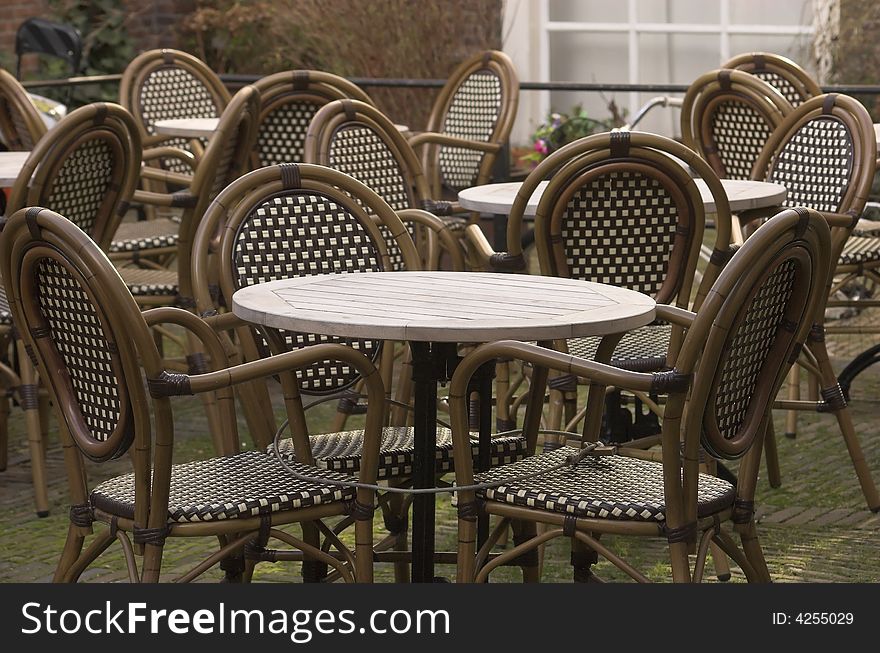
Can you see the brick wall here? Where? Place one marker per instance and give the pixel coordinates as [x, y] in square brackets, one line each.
[153, 23]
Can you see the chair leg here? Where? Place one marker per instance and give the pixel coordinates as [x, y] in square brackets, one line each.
[794, 393]
[467, 550]
[523, 531]
[771, 455]
[834, 400]
[313, 571]
[4, 431]
[678, 555]
[30, 403]
[722, 564]
[582, 560]
[72, 549]
[754, 553]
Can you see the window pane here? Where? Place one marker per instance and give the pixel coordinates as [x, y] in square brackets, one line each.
[588, 11]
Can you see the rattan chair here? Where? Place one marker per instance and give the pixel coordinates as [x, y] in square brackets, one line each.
[272, 224]
[224, 160]
[469, 123]
[824, 153]
[780, 72]
[618, 209]
[738, 348]
[20, 123]
[727, 116]
[290, 100]
[98, 357]
[359, 140]
[164, 84]
[85, 167]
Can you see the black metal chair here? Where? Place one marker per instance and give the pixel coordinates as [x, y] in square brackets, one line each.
[40, 36]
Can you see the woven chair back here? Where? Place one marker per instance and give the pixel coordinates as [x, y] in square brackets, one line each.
[750, 329]
[727, 117]
[82, 326]
[166, 84]
[619, 209]
[20, 123]
[359, 140]
[824, 154]
[85, 168]
[783, 74]
[478, 103]
[298, 220]
[290, 101]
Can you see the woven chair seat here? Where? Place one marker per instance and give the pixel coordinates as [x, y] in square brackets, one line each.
[244, 485]
[341, 452]
[5, 314]
[641, 350]
[603, 487]
[144, 281]
[145, 235]
[860, 249]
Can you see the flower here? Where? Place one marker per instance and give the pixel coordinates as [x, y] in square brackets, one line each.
[558, 129]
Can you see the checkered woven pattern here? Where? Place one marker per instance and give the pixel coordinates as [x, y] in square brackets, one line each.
[150, 282]
[739, 132]
[781, 84]
[619, 229]
[145, 234]
[227, 169]
[604, 487]
[302, 233]
[82, 183]
[748, 349]
[472, 114]
[282, 132]
[80, 340]
[245, 485]
[640, 350]
[360, 152]
[173, 92]
[860, 249]
[5, 313]
[341, 452]
[815, 164]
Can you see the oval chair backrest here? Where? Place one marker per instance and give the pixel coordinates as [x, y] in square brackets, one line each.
[85, 168]
[727, 117]
[20, 124]
[618, 209]
[83, 327]
[299, 220]
[783, 74]
[750, 328]
[290, 101]
[478, 103]
[165, 84]
[359, 140]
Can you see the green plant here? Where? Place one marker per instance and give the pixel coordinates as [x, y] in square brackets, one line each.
[559, 129]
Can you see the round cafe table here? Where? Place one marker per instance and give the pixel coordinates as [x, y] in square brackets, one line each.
[202, 127]
[11, 164]
[433, 311]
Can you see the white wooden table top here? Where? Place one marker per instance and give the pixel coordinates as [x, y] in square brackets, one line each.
[11, 164]
[203, 127]
[877, 134]
[742, 195]
[189, 127]
[443, 306]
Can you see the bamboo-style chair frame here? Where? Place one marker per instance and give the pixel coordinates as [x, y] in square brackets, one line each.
[783, 74]
[359, 140]
[575, 167]
[785, 266]
[20, 124]
[748, 109]
[445, 140]
[87, 167]
[197, 92]
[834, 172]
[225, 160]
[290, 100]
[57, 281]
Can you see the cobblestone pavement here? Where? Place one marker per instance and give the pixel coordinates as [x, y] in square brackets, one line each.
[815, 528]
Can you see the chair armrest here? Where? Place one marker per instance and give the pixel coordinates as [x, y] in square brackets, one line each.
[442, 207]
[201, 329]
[675, 315]
[445, 139]
[165, 175]
[441, 229]
[168, 152]
[181, 199]
[844, 220]
[488, 257]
